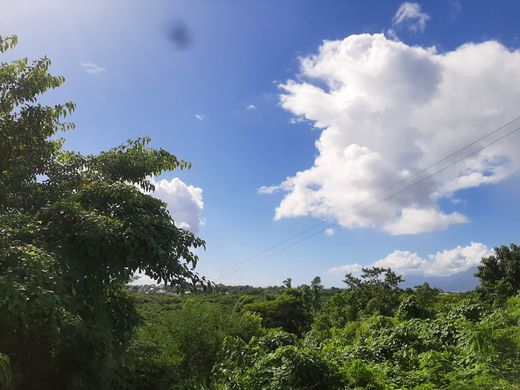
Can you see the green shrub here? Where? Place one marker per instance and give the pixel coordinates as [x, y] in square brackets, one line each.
[185, 340]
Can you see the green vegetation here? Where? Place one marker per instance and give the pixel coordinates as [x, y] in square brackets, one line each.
[499, 274]
[371, 335]
[74, 229]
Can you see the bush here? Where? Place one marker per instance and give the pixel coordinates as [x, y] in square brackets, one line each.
[273, 362]
[188, 338]
[287, 311]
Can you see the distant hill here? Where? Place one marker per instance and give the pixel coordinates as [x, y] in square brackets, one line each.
[463, 281]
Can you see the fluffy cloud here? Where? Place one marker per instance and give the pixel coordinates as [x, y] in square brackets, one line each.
[184, 202]
[445, 263]
[387, 110]
[92, 68]
[402, 261]
[410, 16]
[200, 117]
[423, 220]
[459, 259]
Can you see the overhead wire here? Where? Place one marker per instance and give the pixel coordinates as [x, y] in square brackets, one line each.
[330, 225]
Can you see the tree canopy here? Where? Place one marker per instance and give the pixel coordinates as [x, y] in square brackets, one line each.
[73, 230]
[499, 273]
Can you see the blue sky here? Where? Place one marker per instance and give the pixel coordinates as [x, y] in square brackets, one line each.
[381, 106]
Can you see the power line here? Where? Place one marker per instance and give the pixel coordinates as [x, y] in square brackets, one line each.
[372, 205]
[487, 135]
[373, 196]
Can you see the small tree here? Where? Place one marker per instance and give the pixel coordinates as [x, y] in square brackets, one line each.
[286, 311]
[377, 291]
[499, 274]
[317, 289]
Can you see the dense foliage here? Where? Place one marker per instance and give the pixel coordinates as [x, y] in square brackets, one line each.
[371, 335]
[499, 274]
[181, 339]
[73, 231]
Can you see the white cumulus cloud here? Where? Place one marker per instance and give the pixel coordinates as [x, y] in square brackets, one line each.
[184, 202]
[92, 68]
[459, 259]
[387, 110]
[413, 220]
[445, 263]
[402, 261]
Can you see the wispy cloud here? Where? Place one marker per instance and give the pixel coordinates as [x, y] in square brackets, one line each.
[268, 189]
[455, 9]
[200, 117]
[345, 269]
[329, 232]
[409, 16]
[92, 68]
[251, 107]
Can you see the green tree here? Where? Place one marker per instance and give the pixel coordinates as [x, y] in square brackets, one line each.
[317, 289]
[287, 311]
[73, 231]
[418, 303]
[377, 291]
[499, 274]
[426, 294]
